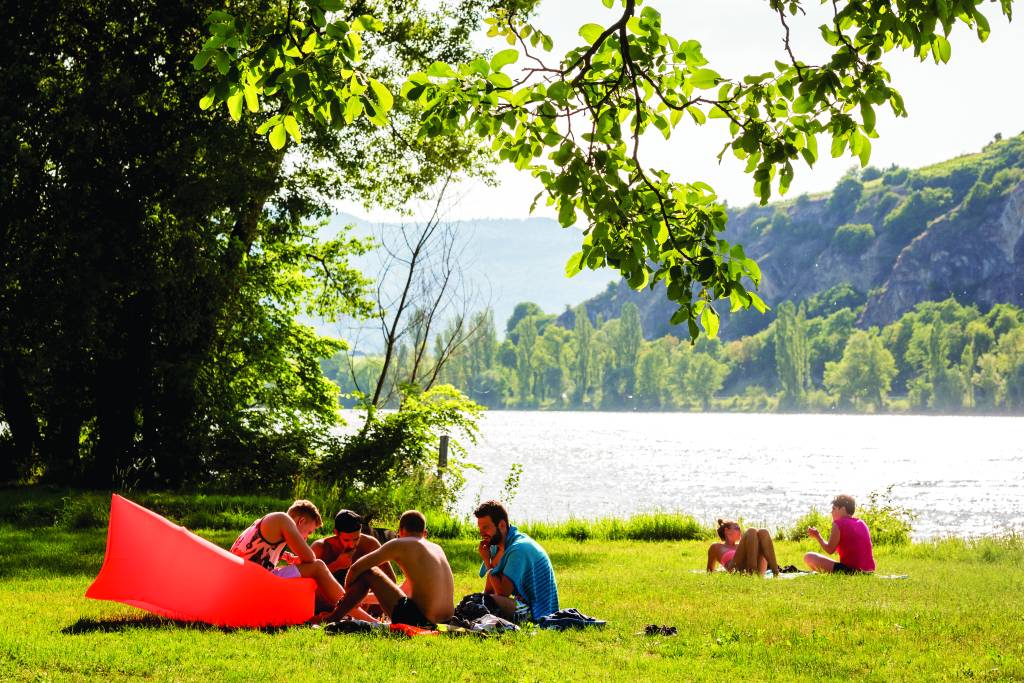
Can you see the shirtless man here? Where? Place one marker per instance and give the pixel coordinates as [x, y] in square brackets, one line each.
[425, 598]
[347, 545]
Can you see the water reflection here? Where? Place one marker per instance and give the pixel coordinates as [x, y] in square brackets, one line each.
[962, 475]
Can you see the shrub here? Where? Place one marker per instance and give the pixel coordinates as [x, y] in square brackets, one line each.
[853, 238]
[895, 176]
[890, 524]
[391, 462]
[798, 531]
[870, 173]
[846, 193]
[912, 216]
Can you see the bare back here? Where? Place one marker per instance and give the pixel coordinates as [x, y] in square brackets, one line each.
[426, 567]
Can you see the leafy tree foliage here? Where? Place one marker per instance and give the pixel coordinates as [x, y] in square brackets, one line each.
[791, 355]
[940, 357]
[155, 255]
[624, 79]
[864, 374]
[854, 238]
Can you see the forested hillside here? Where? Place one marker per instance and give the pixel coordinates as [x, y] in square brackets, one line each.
[887, 239]
[900, 290]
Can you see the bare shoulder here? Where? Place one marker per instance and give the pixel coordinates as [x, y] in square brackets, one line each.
[367, 543]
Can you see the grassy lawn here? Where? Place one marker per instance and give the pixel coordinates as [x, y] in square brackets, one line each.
[958, 616]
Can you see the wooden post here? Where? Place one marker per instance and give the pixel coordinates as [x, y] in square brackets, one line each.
[442, 454]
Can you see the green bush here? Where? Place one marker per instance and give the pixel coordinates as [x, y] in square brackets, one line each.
[853, 238]
[895, 176]
[846, 194]
[890, 524]
[870, 173]
[911, 217]
[798, 532]
[391, 463]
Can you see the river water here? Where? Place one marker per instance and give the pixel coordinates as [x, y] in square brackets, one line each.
[961, 475]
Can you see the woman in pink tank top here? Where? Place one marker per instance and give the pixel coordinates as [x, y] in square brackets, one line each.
[850, 537]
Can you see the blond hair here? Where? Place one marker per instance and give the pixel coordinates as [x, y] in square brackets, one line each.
[305, 508]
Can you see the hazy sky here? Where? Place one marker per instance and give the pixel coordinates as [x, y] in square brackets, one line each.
[954, 108]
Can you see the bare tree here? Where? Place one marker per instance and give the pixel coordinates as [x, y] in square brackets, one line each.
[420, 287]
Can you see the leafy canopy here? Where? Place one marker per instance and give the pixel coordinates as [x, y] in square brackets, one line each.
[576, 122]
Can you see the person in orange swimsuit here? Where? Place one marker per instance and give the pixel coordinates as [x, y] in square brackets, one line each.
[749, 552]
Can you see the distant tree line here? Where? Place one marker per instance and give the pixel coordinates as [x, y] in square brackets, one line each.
[941, 357]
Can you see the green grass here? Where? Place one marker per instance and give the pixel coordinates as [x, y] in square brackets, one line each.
[956, 618]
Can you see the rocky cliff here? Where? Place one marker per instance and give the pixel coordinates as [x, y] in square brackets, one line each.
[887, 240]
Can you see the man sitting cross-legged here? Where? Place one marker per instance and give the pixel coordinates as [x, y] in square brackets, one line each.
[347, 545]
[518, 571]
[425, 598]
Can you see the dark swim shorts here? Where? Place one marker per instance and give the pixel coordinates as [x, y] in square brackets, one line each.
[408, 612]
[840, 568]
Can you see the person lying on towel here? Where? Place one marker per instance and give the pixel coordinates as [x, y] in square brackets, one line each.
[426, 596]
[265, 540]
[518, 572]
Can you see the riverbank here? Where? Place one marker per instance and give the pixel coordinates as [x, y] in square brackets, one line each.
[953, 618]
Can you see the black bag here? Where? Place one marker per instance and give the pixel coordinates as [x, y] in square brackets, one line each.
[476, 605]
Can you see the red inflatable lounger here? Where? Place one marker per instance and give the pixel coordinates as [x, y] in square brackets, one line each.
[164, 568]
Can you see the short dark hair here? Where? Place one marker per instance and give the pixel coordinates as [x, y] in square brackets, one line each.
[412, 521]
[846, 502]
[347, 521]
[493, 509]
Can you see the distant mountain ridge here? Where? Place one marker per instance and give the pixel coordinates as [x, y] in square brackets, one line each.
[884, 240]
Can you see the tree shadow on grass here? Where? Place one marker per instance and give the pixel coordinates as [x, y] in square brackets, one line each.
[46, 552]
[150, 621]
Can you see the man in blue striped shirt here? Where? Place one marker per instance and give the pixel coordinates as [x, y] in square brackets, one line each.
[518, 571]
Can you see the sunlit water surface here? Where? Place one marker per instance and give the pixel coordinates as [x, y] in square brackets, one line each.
[961, 475]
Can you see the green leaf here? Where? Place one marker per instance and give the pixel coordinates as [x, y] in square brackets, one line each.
[441, 70]
[757, 302]
[709, 320]
[504, 58]
[251, 101]
[207, 100]
[500, 80]
[353, 108]
[382, 95]
[574, 265]
[292, 126]
[942, 48]
[865, 151]
[566, 213]
[277, 136]
[608, 3]
[867, 112]
[202, 59]
[591, 32]
[639, 279]
[705, 79]
[235, 105]
[559, 91]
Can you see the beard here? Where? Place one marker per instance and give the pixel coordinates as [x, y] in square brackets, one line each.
[497, 538]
